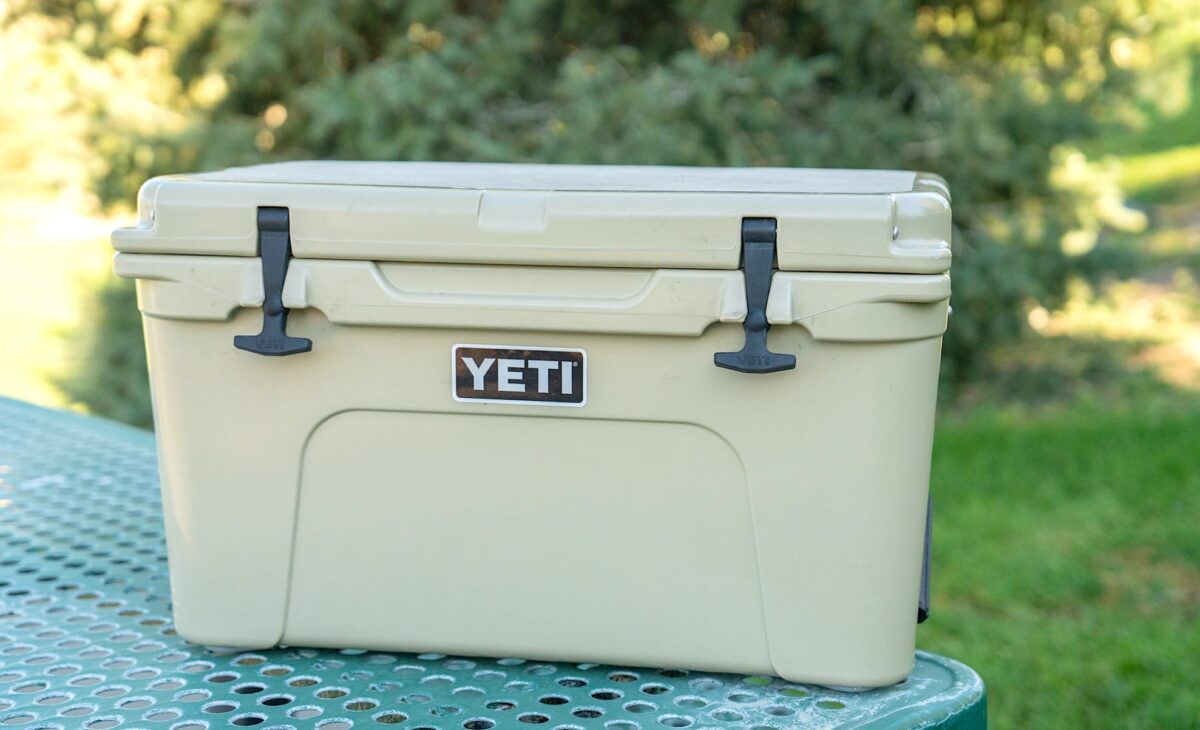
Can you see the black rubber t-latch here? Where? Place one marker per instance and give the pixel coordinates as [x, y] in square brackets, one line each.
[275, 249]
[758, 266]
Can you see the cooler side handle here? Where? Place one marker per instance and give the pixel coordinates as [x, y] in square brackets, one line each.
[839, 307]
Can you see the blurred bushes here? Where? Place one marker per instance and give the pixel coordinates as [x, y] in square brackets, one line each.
[108, 365]
[983, 92]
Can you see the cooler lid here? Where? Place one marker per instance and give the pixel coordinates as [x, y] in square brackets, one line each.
[554, 215]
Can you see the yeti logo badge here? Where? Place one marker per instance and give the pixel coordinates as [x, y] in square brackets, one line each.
[537, 376]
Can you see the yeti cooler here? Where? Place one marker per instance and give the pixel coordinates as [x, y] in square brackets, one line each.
[656, 416]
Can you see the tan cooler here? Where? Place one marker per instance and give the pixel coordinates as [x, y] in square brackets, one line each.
[535, 410]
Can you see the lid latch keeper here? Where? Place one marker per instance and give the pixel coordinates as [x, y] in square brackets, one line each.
[758, 266]
[275, 250]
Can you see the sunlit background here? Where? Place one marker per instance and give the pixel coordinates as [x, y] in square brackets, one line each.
[1067, 464]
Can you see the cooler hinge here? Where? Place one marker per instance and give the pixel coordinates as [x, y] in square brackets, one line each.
[758, 266]
[275, 250]
[923, 599]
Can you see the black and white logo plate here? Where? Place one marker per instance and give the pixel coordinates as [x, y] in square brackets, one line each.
[535, 376]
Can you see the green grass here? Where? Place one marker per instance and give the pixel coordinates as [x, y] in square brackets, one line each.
[1067, 564]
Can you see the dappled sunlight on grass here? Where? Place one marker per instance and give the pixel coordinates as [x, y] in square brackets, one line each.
[1176, 232]
[1137, 309]
[1124, 344]
[1177, 363]
[1142, 175]
[1159, 320]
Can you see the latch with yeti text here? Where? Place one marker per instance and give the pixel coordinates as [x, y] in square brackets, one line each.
[275, 250]
[758, 266]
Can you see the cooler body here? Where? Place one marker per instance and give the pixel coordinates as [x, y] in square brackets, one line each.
[508, 433]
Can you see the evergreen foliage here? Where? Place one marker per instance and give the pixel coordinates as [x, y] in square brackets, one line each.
[991, 94]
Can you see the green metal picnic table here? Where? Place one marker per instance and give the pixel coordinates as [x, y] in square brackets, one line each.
[86, 639]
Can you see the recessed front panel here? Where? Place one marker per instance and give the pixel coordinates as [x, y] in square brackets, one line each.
[512, 535]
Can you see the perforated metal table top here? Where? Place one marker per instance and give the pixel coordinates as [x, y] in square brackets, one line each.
[86, 638]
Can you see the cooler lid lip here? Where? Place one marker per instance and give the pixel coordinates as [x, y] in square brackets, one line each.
[848, 226]
[577, 178]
